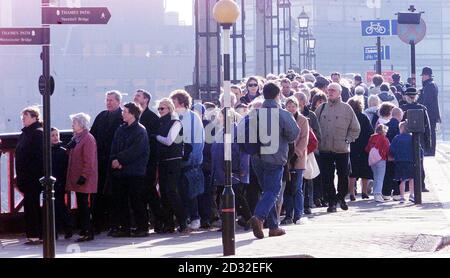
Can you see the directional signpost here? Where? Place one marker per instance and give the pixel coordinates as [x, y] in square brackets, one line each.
[61, 15]
[24, 36]
[41, 36]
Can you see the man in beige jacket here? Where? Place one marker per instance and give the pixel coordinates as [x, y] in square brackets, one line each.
[340, 127]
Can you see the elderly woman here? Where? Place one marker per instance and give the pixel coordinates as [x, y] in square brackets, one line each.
[82, 171]
[293, 194]
[29, 169]
[170, 154]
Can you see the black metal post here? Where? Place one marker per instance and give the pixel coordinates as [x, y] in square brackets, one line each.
[228, 206]
[378, 55]
[47, 181]
[417, 169]
[413, 63]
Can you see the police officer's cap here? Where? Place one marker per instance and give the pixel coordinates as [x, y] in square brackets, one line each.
[411, 91]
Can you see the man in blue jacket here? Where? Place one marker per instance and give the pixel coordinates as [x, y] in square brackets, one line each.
[129, 156]
[429, 98]
[280, 129]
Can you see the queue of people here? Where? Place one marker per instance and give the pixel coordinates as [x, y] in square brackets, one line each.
[135, 170]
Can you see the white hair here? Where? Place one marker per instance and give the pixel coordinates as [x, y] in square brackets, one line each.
[373, 101]
[359, 90]
[335, 86]
[82, 119]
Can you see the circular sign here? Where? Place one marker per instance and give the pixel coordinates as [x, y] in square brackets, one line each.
[412, 32]
[42, 84]
[46, 85]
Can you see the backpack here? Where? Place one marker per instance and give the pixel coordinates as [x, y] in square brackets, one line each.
[248, 147]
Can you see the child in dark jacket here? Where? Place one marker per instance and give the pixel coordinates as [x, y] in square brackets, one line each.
[402, 151]
[59, 169]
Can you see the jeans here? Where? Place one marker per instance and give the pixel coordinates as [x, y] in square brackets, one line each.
[253, 190]
[190, 204]
[294, 196]
[329, 162]
[379, 170]
[269, 177]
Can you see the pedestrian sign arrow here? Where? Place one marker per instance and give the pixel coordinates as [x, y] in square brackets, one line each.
[86, 15]
[24, 36]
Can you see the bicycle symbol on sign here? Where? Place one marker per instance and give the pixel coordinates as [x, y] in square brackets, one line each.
[375, 27]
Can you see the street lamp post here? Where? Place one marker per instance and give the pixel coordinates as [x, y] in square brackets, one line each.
[46, 85]
[311, 52]
[303, 25]
[226, 13]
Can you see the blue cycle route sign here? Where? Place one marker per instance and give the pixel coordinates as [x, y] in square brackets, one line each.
[375, 28]
[371, 54]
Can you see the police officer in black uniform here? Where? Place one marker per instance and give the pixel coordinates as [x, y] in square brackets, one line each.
[429, 98]
[425, 139]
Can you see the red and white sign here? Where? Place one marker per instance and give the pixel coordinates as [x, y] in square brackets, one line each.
[387, 75]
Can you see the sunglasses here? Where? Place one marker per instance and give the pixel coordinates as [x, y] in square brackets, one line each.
[253, 85]
[161, 108]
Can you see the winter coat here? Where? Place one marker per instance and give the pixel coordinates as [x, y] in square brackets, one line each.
[131, 148]
[240, 161]
[286, 128]
[339, 126]
[301, 143]
[379, 142]
[83, 162]
[402, 148]
[247, 99]
[388, 97]
[394, 129]
[29, 159]
[429, 98]
[59, 166]
[151, 123]
[193, 126]
[313, 122]
[103, 129]
[358, 147]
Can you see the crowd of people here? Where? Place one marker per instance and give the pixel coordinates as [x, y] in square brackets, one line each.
[135, 170]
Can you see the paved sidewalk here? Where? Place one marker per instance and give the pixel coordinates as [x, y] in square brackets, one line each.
[367, 229]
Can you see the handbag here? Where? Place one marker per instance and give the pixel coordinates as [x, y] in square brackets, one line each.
[374, 156]
[196, 181]
[312, 168]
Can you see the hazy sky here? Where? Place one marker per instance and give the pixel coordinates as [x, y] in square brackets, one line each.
[183, 7]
